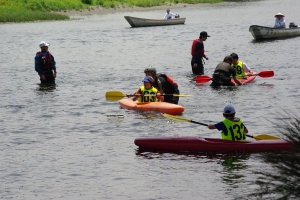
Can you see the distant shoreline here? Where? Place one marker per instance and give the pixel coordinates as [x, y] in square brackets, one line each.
[101, 10]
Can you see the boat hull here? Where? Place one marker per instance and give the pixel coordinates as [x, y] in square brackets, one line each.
[194, 143]
[142, 22]
[162, 107]
[262, 32]
[246, 80]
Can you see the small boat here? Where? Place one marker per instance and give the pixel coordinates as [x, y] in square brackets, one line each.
[199, 144]
[142, 22]
[246, 80]
[163, 107]
[263, 32]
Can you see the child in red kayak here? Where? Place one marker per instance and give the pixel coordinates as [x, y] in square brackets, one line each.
[147, 89]
[232, 127]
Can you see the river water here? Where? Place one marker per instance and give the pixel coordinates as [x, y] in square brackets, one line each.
[68, 142]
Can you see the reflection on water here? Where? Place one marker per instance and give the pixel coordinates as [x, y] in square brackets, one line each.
[234, 168]
[46, 87]
[231, 160]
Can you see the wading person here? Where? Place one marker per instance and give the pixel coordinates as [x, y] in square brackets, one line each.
[223, 74]
[165, 85]
[45, 64]
[197, 52]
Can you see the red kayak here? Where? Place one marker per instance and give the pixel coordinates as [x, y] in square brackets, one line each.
[246, 80]
[194, 143]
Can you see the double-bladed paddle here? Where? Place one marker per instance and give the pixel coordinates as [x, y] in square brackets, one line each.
[263, 74]
[257, 137]
[117, 95]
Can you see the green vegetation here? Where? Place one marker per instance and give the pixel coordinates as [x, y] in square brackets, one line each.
[33, 10]
[282, 180]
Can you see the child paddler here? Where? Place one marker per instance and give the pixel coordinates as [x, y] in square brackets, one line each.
[147, 89]
[232, 128]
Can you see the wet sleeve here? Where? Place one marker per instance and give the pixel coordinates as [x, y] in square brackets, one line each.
[37, 64]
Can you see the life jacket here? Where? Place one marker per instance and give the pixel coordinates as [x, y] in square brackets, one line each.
[235, 130]
[46, 62]
[240, 72]
[170, 86]
[221, 74]
[145, 91]
[194, 48]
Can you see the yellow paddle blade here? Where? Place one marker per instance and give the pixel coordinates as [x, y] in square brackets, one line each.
[182, 95]
[181, 119]
[114, 95]
[265, 137]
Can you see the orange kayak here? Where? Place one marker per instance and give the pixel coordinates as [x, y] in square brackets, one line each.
[163, 107]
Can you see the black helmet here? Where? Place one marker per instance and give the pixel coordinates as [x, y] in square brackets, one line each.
[150, 69]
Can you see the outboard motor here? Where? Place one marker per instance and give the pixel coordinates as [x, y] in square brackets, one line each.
[177, 16]
[293, 25]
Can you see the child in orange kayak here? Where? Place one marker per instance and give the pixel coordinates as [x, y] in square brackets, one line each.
[232, 127]
[147, 89]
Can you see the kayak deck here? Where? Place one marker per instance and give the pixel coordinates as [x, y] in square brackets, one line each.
[194, 143]
[163, 107]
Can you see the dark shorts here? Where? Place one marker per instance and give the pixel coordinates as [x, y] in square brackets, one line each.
[199, 70]
[49, 78]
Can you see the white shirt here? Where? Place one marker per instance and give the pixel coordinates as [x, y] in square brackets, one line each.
[246, 68]
[169, 15]
[280, 23]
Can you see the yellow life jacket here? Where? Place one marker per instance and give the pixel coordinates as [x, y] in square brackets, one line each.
[145, 91]
[235, 130]
[240, 72]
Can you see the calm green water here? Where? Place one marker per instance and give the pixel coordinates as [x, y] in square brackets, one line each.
[68, 142]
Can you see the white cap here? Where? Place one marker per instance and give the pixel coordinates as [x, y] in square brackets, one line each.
[229, 109]
[43, 43]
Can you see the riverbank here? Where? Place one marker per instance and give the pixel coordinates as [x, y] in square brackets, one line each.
[95, 10]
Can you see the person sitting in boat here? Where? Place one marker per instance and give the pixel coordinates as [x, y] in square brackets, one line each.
[165, 85]
[232, 127]
[240, 67]
[169, 15]
[147, 89]
[279, 21]
[223, 74]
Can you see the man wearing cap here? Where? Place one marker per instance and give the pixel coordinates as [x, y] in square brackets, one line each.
[169, 15]
[45, 64]
[198, 54]
[165, 85]
[147, 89]
[279, 21]
[232, 127]
[223, 74]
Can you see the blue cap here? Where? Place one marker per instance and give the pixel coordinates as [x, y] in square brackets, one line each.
[229, 109]
[148, 79]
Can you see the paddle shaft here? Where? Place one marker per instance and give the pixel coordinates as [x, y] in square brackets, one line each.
[257, 137]
[207, 125]
[263, 74]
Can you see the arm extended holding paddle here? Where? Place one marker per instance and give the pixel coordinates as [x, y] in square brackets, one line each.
[257, 137]
[117, 95]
